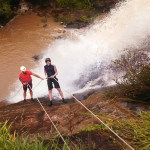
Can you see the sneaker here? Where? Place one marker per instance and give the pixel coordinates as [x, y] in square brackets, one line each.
[64, 100]
[50, 103]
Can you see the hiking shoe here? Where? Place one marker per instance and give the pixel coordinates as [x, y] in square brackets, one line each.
[64, 100]
[50, 103]
[32, 99]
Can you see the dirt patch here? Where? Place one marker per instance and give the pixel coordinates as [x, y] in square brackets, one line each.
[95, 140]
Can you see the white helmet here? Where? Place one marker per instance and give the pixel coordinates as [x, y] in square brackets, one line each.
[23, 68]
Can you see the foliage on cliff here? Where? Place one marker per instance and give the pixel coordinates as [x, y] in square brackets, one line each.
[133, 79]
[7, 8]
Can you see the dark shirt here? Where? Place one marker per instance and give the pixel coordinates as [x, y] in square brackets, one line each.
[50, 70]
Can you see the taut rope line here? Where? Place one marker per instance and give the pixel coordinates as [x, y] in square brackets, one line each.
[51, 121]
[100, 120]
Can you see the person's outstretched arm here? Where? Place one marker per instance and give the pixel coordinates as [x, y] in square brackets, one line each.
[45, 73]
[37, 76]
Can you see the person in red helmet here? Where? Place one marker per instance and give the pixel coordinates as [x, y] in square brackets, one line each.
[26, 80]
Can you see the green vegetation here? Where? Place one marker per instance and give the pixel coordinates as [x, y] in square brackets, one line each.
[101, 5]
[39, 2]
[7, 8]
[12, 141]
[134, 82]
[137, 131]
[93, 127]
[75, 4]
[5, 11]
[64, 19]
[69, 4]
[85, 18]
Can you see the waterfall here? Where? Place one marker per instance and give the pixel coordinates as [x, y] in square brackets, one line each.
[82, 62]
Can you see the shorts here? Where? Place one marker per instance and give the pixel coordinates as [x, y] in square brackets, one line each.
[52, 81]
[27, 86]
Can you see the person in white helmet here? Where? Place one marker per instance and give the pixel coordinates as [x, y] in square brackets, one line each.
[26, 79]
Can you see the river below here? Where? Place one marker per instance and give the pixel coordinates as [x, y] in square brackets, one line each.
[24, 37]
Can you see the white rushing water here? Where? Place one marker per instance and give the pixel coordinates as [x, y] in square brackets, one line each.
[82, 62]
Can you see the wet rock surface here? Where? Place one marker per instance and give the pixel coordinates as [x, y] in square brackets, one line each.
[29, 117]
[37, 57]
[77, 25]
[71, 117]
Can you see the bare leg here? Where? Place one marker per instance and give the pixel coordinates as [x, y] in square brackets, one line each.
[31, 93]
[50, 95]
[50, 98]
[60, 92]
[24, 95]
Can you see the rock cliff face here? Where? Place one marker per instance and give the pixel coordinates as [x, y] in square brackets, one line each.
[70, 119]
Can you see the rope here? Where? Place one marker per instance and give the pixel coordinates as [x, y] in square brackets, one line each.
[20, 90]
[103, 123]
[37, 84]
[14, 95]
[100, 120]
[51, 121]
[85, 108]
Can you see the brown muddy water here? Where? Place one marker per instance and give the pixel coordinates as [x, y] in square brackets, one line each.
[27, 35]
